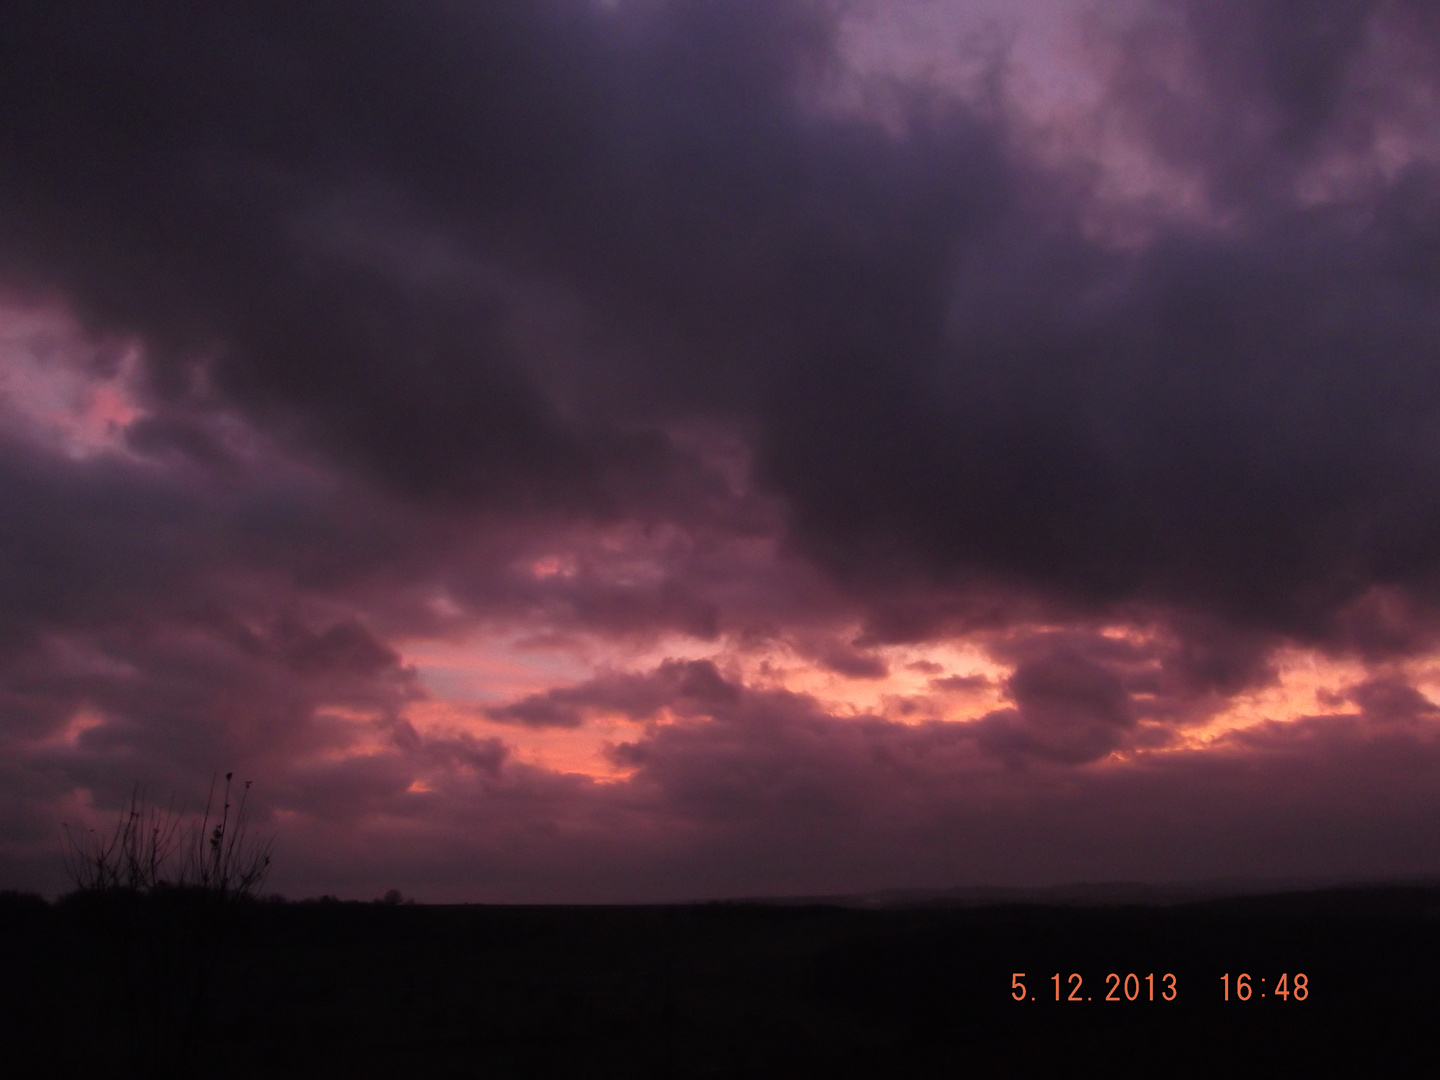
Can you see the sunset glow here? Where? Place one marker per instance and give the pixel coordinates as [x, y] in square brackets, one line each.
[577, 451]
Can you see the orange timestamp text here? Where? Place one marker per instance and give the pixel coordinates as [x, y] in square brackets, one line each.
[1288, 987]
[1128, 987]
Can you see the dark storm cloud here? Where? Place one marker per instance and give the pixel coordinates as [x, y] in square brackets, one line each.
[1392, 698]
[1278, 86]
[1090, 689]
[677, 684]
[1237, 419]
[467, 278]
[1067, 709]
[846, 660]
[355, 220]
[171, 166]
[177, 698]
[94, 542]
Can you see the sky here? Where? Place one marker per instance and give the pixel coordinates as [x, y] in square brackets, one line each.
[638, 450]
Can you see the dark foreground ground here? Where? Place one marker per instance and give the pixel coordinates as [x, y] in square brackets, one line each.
[724, 990]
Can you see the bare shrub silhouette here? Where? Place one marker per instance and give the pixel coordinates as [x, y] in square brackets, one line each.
[133, 857]
[165, 901]
[220, 857]
[224, 859]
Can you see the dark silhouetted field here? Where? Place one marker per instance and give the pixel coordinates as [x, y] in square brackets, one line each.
[733, 990]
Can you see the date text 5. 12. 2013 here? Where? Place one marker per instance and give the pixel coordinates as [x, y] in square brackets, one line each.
[1127, 987]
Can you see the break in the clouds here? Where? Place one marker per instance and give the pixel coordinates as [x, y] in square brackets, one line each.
[663, 448]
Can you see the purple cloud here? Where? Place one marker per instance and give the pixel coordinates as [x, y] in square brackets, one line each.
[595, 338]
